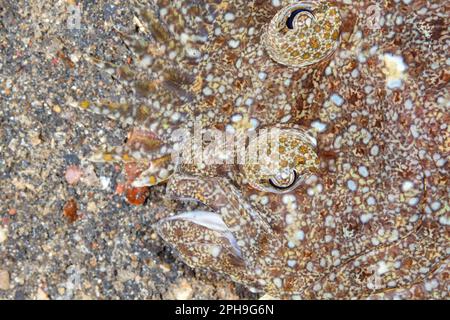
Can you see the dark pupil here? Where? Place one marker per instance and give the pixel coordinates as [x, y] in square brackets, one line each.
[286, 187]
[290, 20]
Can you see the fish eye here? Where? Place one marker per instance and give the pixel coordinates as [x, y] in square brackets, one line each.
[293, 160]
[284, 181]
[303, 33]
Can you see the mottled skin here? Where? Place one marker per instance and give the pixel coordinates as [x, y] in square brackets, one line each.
[373, 221]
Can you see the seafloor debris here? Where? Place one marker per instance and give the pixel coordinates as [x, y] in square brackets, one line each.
[70, 210]
[73, 174]
[4, 280]
[136, 195]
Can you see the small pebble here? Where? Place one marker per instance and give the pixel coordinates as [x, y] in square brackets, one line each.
[4, 280]
[184, 291]
[137, 196]
[41, 295]
[57, 109]
[3, 234]
[73, 174]
[70, 210]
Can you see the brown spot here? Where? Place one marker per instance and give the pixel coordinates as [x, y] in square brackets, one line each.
[210, 102]
[350, 66]
[360, 150]
[178, 233]
[227, 108]
[277, 228]
[230, 57]
[304, 149]
[299, 160]
[394, 251]
[69, 63]
[263, 243]
[407, 263]
[240, 84]
[289, 283]
[307, 253]
[306, 56]
[136, 196]
[327, 155]
[363, 122]
[70, 210]
[220, 126]
[397, 97]
[439, 27]
[235, 260]
[335, 35]
[372, 62]
[259, 108]
[352, 226]
[445, 76]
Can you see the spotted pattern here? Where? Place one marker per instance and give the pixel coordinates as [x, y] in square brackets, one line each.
[285, 159]
[312, 35]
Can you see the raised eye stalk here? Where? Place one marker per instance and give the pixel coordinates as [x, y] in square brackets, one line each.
[303, 33]
[285, 158]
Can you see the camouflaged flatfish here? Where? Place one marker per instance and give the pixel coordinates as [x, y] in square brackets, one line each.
[360, 94]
